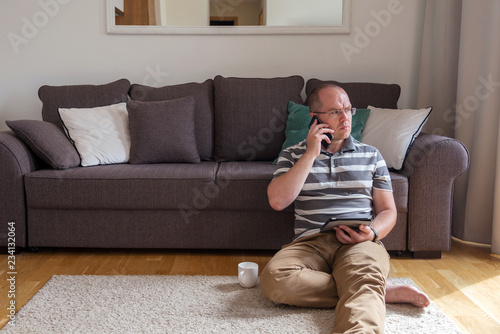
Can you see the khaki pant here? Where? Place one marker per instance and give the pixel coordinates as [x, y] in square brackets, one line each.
[318, 271]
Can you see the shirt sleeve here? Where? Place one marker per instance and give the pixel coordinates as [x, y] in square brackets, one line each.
[286, 161]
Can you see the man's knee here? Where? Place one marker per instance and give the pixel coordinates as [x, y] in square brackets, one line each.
[298, 286]
[279, 284]
[271, 287]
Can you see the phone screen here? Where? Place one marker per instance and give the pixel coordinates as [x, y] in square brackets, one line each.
[324, 143]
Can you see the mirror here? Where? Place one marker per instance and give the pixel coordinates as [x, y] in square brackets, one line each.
[213, 17]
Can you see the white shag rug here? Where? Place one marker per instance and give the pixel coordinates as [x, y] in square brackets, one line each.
[188, 304]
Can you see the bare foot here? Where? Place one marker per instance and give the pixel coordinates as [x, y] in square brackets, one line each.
[407, 294]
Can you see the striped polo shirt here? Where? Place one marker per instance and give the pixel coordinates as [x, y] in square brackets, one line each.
[339, 185]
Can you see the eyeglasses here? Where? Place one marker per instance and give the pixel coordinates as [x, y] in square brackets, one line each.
[338, 112]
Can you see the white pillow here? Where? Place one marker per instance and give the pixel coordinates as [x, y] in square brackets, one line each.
[101, 135]
[392, 131]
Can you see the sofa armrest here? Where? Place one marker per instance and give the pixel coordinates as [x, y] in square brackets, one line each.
[16, 160]
[432, 165]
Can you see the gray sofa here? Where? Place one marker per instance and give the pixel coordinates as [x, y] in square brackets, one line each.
[218, 203]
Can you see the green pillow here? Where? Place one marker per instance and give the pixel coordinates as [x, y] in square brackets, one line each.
[297, 124]
[358, 122]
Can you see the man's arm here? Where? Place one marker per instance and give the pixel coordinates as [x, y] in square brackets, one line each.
[385, 219]
[284, 189]
[385, 212]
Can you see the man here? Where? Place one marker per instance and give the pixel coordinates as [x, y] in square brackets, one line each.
[344, 268]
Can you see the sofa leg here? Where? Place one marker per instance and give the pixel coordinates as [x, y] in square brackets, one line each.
[427, 254]
[399, 253]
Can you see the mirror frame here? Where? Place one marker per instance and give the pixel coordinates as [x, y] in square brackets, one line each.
[112, 28]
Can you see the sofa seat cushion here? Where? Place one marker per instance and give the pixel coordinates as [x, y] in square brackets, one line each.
[186, 187]
[120, 187]
[242, 185]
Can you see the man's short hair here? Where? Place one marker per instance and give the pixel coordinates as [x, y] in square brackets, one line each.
[315, 103]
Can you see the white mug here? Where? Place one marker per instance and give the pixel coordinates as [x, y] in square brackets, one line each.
[248, 274]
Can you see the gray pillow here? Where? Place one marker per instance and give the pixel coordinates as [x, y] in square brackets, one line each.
[47, 141]
[251, 114]
[162, 131]
[203, 94]
[80, 96]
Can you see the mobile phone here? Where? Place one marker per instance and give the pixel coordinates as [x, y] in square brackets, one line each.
[324, 143]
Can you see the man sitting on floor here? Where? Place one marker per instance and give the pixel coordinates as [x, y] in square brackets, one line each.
[344, 268]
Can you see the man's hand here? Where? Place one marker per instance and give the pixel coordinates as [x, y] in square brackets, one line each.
[316, 134]
[348, 236]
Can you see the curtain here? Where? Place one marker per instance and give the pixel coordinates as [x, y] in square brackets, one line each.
[460, 78]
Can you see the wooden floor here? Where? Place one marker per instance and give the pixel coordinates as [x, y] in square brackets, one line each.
[465, 283]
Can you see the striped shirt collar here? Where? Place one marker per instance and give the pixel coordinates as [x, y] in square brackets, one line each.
[348, 146]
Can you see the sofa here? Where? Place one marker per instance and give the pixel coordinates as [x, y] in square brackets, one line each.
[195, 175]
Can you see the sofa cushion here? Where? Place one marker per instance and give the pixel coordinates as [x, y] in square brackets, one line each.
[80, 96]
[47, 141]
[392, 132]
[361, 94]
[123, 187]
[203, 94]
[101, 134]
[163, 131]
[358, 123]
[400, 190]
[242, 185]
[296, 125]
[250, 116]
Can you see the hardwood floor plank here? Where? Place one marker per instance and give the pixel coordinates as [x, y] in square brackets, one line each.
[479, 293]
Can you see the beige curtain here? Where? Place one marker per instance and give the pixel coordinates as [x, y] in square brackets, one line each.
[460, 77]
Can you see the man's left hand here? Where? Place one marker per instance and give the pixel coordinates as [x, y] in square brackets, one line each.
[349, 236]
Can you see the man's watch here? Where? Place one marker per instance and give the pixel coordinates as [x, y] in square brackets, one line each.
[375, 238]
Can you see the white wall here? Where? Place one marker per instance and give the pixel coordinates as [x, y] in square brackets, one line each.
[72, 47]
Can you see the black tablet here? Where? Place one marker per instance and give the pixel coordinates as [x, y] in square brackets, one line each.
[352, 223]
